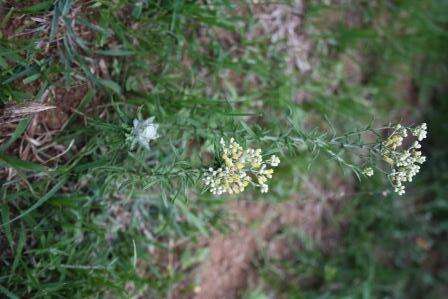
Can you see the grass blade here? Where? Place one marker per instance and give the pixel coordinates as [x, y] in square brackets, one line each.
[17, 163]
[21, 127]
[40, 202]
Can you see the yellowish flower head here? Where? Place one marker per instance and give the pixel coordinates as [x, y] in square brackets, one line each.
[240, 168]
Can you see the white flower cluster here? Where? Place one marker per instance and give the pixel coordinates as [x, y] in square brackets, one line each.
[405, 162]
[241, 167]
[143, 132]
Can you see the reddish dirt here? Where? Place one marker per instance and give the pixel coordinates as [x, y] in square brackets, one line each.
[229, 269]
[66, 101]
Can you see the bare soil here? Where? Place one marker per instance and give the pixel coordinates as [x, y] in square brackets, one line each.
[230, 266]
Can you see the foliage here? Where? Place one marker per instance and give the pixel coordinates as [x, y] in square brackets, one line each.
[92, 220]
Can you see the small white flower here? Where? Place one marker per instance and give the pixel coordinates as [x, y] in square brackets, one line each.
[274, 161]
[144, 131]
[420, 131]
[399, 189]
[264, 188]
[368, 171]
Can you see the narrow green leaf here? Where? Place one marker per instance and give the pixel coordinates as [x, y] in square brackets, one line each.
[20, 164]
[21, 127]
[3, 63]
[134, 257]
[67, 200]
[7, 228]
[109, 84]
[115, 52]
[42, 6]
[18, 75]
[19, 249]
[54, 21]
[31, 78]
[41, 201]
[90, 165]
[84, 102]
[6, 18]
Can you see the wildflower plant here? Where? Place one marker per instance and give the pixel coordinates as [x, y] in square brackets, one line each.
[142, 133]
[401, 150]
[70, 176]
[239, 168]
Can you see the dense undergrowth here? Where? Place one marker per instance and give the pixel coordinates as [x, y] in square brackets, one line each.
[84, 215]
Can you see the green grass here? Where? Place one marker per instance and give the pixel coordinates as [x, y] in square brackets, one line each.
[91, 222]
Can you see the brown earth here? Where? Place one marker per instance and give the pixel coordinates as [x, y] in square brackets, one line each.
[230, 268]
[256, 231]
